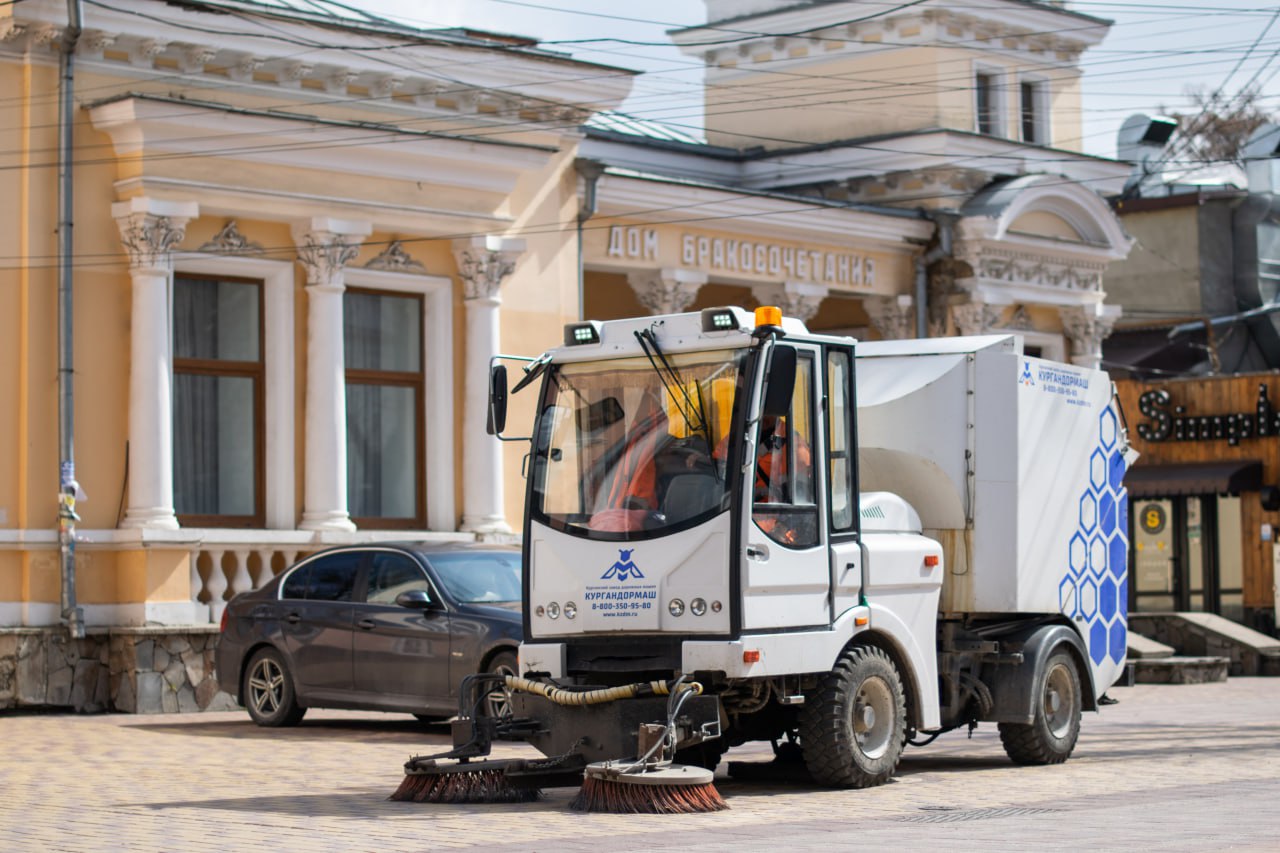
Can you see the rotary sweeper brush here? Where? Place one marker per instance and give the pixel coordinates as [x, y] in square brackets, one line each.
[737, 530]
[649, 783]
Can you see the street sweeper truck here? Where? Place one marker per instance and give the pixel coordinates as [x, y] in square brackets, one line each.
[737, 530]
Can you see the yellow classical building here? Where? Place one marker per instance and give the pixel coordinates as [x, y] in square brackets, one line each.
[299, 238]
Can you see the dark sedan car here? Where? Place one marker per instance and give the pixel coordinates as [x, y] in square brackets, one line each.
[386, 627]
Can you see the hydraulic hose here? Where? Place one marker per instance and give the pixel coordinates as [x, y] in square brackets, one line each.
[598, 697]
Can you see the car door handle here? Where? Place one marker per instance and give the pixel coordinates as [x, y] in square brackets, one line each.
[293, 618]
[367, 624]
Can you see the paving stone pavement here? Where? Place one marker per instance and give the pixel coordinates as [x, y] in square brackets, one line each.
[1194, 768]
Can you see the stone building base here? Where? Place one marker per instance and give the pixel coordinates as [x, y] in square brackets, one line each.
[165, 670]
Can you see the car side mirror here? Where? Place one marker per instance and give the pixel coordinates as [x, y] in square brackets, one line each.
[497, 420]
[418, 599]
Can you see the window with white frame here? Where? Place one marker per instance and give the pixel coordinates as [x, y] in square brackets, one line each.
[217, 401]
[382, 344]
[989, 117]
[248, 343]
[1033, 111]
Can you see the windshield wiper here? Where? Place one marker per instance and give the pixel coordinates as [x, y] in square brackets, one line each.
[649, 343]
[533, 371]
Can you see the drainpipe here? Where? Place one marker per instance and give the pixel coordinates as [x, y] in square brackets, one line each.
[72, 615]
[945, 223]
[590, 170]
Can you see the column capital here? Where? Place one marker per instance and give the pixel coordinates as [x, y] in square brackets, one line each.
[483, 263]
[975, 318]
[150, 228]
[796, 298]
[326, 245]
[1086, 327]
[666, 291]
[894, 317]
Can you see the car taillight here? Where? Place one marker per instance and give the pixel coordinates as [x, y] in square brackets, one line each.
[222, 626]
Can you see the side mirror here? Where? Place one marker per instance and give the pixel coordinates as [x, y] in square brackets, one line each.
[781, 381]
[416, 599]
[497, 419]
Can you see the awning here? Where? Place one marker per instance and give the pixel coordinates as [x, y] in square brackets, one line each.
[1194, 478]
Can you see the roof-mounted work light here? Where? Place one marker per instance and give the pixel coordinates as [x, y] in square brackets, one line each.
[719, 320]
[578, 334]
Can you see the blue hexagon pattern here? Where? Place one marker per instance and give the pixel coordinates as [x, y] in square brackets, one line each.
[1097, 555]
[1088, 512]
[1107, 429]
[1095, 587]
[1107, 514]
[1098, 642]
[1098, 470]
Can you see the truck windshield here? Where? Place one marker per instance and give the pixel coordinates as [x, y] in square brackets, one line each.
[627, 448]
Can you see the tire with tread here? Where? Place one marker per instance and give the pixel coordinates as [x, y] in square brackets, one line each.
[853, 727]
[269, 694]
[1051, 736]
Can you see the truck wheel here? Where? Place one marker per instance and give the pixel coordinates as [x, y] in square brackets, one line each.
[1051, 736]
[853, 727]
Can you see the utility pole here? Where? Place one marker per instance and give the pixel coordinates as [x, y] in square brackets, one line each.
[72, 615]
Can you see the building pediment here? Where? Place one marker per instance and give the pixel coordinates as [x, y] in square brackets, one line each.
[151, 131]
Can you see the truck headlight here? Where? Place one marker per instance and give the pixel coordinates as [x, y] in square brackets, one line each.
[570, 610]
[698, 606]
[676, 607]
[553, 610]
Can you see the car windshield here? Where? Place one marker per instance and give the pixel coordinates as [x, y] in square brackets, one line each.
[631, 447]
[490, 577]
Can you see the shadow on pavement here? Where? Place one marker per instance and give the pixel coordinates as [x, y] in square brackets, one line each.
[321, 729]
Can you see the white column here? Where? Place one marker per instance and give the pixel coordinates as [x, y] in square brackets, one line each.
[483, 262]
[325, 245]
[796, 298]
[149, 229]
[666, 291]
[1087, 327]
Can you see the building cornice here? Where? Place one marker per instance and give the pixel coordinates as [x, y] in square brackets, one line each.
[649, 199]
[262, 53]
[814, 30]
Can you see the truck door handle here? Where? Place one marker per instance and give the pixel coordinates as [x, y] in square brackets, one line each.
[758, 552]
[367, 624]
[293, 618]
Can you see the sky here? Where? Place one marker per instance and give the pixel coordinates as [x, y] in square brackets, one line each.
[1155, 53]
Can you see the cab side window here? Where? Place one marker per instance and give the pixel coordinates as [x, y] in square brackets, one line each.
[785, 503]
[840, 459]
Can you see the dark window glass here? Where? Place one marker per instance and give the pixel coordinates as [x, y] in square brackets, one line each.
[391, 574]
[1030, 113]
[295, 585]
[382, 339]
[217, 401]
[333, 578]
[985, 86]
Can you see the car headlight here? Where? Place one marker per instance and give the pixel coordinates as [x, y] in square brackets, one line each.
[676, 607]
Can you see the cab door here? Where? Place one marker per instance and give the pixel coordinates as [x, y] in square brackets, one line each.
[842, 482]
[787, 581]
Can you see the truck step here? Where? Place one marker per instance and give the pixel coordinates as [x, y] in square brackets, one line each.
[1181, 670]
